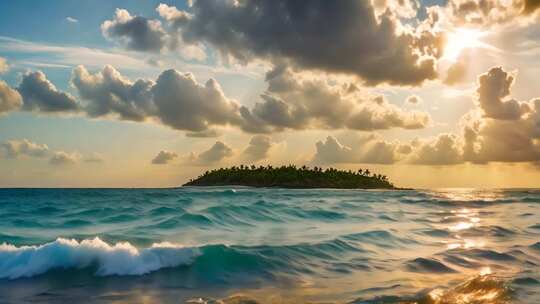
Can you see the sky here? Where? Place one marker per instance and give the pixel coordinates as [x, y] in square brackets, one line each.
[133, 93]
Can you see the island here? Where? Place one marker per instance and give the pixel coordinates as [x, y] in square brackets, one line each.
[291, 177]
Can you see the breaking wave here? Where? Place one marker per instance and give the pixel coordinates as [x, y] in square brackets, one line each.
[117, 259]
[247, 245]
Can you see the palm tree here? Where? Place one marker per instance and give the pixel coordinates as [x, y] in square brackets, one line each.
[290, 175]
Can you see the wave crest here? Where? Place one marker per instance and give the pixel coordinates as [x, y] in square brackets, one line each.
[118, 259]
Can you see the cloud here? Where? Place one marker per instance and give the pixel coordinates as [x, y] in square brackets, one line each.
[293, 31]
[148, 35]
[204, 134]
[14, 149]
[176, 99]
[258, 148]
[294, 102]
[137, 33]
[40, 94]
[94, 158]
[61, 158]
[493, 90]
[489, 13]
[445, 149]
[108, 92]
[172, 15]
[24, 147]
[497, 140]
[71, 20]
[164, 157]
[530, 6]
[51, 55]
[4, 67]
[457, 72]
[380, 152]
[332, 151]
[402, 8]
[501, 129]
[368, 150]
[10, 99]
[413, 100]
[184, 104]
[216, 153]
[483, 12]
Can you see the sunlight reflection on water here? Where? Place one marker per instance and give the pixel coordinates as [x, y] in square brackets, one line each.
[461, 246]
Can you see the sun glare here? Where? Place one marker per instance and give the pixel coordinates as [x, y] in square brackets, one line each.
[461, 39]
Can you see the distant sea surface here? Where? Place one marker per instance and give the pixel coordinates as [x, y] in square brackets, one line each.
[243, 245]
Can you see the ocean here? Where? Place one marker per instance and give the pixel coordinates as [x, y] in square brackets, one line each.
[244, 245]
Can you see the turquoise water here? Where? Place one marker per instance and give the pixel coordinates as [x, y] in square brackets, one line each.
[242, 245]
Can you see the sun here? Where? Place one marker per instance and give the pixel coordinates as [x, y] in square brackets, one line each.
[461, 39]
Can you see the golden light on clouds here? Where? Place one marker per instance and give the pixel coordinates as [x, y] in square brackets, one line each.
[461, 39]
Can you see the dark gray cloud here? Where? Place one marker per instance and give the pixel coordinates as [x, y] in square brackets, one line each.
[10, 99]
[258, 148]
[39, 94]
[216, 153]
[335, 36]
[164, 157]
[108, 92]
[24, 147]
[136, 32]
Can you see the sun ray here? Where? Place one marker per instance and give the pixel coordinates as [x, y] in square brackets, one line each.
[461, 39]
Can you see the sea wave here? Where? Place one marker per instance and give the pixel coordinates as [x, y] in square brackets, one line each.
[318, 245]
[118, 259]
[216, 261]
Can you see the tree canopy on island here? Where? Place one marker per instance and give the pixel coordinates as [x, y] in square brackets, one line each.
[291, 177]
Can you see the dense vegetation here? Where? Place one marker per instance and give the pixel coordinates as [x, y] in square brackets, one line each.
[291, 177]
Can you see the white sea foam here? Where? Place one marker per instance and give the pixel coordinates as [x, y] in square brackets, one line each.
[118, 259]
